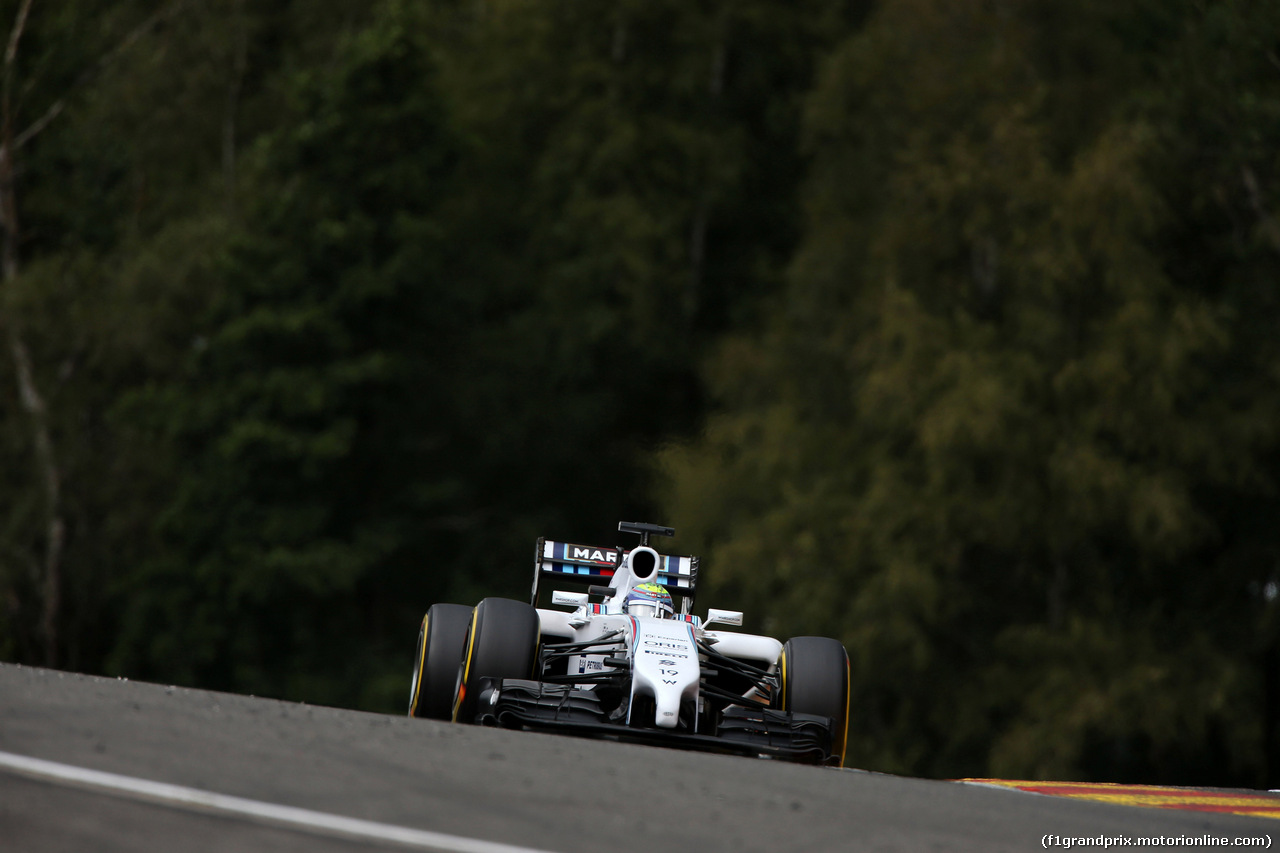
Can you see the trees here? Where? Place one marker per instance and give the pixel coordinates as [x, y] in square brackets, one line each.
[332, 309]
[425, 334]
[48, 62]
[313, 416]
[640, 162]
[1002, 420]
[120, 112]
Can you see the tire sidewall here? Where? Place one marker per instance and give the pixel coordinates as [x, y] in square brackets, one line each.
[815, 680]
[441, 642]
[502, 642]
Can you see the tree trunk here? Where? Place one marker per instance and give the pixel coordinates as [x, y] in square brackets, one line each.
[32, 402]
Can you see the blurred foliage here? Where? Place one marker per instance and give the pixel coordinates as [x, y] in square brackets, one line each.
[946, 329]
[1009, 426]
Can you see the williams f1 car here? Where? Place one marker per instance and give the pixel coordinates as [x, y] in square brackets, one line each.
[627, 660]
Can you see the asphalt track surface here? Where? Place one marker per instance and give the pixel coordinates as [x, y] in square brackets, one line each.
[460, 787]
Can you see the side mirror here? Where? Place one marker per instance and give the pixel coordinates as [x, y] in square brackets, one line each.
[569, 599]
[724, 617]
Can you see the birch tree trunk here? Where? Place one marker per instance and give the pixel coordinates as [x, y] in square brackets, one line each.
[29, 396]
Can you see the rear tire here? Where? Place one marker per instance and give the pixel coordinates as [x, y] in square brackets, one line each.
[815, 680]
[441, 641]
[502, 642]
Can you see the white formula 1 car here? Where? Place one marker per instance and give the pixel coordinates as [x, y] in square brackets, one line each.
[630, 665]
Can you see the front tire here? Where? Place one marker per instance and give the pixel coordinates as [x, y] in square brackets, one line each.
[441, 641]
[815, 680]
[502, 642]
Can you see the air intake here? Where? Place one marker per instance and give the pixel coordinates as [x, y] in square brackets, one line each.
[644, 563]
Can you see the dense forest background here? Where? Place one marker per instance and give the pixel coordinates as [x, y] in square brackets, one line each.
[951, 329]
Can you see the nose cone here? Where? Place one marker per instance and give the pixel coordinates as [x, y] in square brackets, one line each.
[665, 667]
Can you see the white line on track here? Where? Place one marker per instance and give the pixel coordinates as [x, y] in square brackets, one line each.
[304, 819]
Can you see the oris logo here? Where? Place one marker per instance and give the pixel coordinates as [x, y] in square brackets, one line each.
[665, 644]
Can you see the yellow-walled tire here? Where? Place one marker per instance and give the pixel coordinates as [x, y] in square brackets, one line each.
[441, 641]
[502, 642]
[815, 680]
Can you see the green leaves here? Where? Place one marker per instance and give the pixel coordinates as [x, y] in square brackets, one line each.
[996, 423]
[305, 383]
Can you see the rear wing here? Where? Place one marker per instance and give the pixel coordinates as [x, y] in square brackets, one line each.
[590, 564]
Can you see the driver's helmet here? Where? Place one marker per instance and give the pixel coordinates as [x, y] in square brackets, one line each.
[650, 599]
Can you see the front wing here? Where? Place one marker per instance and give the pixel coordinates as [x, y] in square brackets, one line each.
[522, 704]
